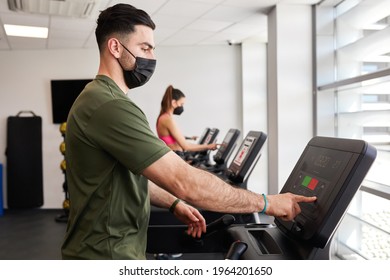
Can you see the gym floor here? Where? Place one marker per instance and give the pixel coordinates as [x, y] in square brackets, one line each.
[34, 234]
[31, 234]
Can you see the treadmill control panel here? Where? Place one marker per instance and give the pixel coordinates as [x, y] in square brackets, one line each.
[211, 136]
[227, 146]
[202, 138]
[332, 170]
[246, 157]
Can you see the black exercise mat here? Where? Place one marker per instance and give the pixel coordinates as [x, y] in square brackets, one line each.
[24, 161]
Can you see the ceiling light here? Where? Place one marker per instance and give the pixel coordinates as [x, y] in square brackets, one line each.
[26, 31]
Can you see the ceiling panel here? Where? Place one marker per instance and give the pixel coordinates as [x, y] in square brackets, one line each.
[185, 38]
[252, 4]
[179, 22]
[208, 25]
[27, 43]
[167, 21]
[149, 6]
[163, 33]
[3, 41]
[228, 13]
[25, 19]
[189, 9]
[63, 23]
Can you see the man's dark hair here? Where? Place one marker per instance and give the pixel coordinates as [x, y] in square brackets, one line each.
[120, 19]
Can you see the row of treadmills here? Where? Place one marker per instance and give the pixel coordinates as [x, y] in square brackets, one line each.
[244, 161]
[332, 169]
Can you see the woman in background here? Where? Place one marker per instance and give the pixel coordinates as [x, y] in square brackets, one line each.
[167, 130]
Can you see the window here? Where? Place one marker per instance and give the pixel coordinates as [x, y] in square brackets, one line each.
[353, 101]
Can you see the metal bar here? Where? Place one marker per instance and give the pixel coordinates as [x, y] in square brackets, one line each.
[350, 248]
[376, 189]
[360, 220]
[362, 78]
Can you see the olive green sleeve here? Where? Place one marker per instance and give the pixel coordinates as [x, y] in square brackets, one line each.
[121, 129]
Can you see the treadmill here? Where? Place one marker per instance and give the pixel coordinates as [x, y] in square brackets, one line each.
[163, 216]
[202, 157]
[237, 174]
[239, 170]
[245, 159]
[223, 153]
[330, 168]
[203, 136]
[184, 155]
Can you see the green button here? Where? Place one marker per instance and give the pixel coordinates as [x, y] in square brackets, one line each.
[306, 181]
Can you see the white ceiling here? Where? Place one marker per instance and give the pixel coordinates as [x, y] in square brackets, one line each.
[179, 22]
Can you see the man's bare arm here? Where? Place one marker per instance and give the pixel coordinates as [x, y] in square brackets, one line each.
[160, 197]
[185, 213]
[206, 191]
[200, 188]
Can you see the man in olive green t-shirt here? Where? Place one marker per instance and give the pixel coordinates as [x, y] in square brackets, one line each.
[113, 157]
[109, 142]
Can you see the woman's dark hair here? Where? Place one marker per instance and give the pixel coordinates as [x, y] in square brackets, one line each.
[120, 20]
[171, 93]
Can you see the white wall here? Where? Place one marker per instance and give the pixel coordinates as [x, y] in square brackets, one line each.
[208, 75]
[289, 89]
[254, 106]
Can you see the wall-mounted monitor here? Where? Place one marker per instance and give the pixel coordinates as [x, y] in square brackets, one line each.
[63, 94]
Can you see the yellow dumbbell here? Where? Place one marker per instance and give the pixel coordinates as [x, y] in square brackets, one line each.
[63, 165]
[66, 204]
[63, 128]
[62, 148]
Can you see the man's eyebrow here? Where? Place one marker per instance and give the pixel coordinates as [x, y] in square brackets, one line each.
[149, 45]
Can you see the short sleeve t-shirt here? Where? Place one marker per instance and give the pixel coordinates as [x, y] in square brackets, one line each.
[108, 144]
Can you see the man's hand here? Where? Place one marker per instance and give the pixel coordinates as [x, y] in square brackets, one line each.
[285, 205]
[191, 217]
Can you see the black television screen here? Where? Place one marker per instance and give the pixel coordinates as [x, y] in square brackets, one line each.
[63, 94]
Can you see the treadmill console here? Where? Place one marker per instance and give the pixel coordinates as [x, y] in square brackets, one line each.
[227, 146]
[331, 169]
[211, 136]
[246, 157]
[202, 138]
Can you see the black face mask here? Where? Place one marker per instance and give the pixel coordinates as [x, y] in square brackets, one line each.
[142, 72]
[178, 110]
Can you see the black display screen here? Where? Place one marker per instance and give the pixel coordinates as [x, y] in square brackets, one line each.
[244, 150]
[246, 157]
[225, 142]
[319, 170]
[63, 94]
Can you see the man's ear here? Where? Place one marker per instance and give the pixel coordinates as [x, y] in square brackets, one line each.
[113, 47]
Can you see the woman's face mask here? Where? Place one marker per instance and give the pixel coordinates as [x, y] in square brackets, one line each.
[178, 110]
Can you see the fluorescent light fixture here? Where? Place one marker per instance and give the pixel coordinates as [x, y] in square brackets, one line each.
[26, 31]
